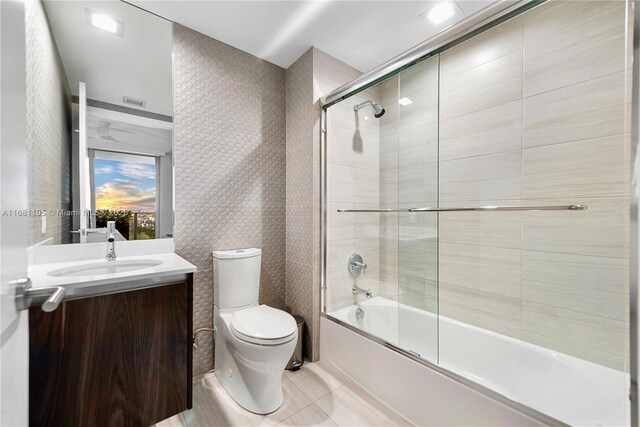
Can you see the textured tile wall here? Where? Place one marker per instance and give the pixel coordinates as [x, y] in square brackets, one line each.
[229, 141]
[302, 284]
[312, 76]
[48, 129]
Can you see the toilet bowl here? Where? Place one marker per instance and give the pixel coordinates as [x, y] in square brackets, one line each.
[253, 342]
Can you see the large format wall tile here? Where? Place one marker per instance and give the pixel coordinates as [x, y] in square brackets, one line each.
[592, 109]
[229, 135]
[488, 131]
[587, 168]
[591, 48]
[492, 83]
[535, 112]
[588, 284]
[490, 177]
[601, 230]
[483, 48]
[494, 312]
[500, 229]
[580, 334]
[484, 268]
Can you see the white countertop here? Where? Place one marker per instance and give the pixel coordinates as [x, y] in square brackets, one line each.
[172, 264]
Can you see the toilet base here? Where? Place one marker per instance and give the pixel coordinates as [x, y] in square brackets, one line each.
[250, 373]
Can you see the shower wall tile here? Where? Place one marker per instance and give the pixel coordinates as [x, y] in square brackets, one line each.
[498, 229]
[48, 131]
[494, 312]
[591, 109]
[580, 334]
[489, 131]
[559, 15]
[229, 137]
[483, 268]
[587, 168]
[601, 230]
[354, 182]
[591, 48]
[494, 176]
[587, 284]
[556, 279]
[492, 83]
[485, 47]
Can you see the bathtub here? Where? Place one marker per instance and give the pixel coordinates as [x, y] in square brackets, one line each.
[569, 389]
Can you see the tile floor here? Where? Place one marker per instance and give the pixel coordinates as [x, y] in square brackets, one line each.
[313, 396]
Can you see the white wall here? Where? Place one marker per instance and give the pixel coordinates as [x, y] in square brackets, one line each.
[14, 345]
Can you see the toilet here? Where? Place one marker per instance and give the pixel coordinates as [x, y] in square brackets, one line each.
[253, 342]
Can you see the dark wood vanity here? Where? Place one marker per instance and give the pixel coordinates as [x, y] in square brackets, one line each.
[121, 359]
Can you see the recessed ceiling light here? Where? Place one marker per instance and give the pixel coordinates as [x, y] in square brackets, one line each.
[366, 117]
[405, 101]
[104, 22]
[441, 12]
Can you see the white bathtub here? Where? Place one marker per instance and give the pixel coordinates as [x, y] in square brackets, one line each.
[569, 389]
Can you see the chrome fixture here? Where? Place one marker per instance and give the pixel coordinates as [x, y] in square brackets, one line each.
[197, 331]
[356, 265]
[111, 241]
[359, 312]
[356, 290]
[476, 208]
[378, 109]
[25, 294]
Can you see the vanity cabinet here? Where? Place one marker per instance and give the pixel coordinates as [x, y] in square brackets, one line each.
[120, 359]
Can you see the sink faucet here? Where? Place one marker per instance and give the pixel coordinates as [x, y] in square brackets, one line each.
[111, 241]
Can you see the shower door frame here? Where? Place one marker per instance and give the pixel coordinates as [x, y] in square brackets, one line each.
[449, 38]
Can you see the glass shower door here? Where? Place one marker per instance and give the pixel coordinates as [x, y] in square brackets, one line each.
[417, 124]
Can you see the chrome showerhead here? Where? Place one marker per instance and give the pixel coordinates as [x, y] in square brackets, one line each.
[378, 109]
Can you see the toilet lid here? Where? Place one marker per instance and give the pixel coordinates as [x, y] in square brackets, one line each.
[263, 323]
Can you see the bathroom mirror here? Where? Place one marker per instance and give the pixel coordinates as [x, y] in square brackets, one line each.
[100, 122]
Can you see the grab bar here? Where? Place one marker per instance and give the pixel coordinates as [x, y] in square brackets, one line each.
[476, 208]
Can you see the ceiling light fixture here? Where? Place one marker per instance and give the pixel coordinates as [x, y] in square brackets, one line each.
[104, 22]
[405, 101]
[441, 12]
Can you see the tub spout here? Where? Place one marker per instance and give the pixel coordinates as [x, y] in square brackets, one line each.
[358, 290]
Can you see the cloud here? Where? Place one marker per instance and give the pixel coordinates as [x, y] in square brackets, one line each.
[106, 169]
[137, 170]
[120, 194]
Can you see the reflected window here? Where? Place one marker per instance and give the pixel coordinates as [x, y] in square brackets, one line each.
[125, 189]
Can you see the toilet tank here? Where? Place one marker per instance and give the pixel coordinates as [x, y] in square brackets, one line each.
[236, 277]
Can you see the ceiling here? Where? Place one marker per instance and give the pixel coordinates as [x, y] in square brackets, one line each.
[363, 34]
[137, 65]
[115, 131]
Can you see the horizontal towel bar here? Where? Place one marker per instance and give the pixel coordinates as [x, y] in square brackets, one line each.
[475, 209]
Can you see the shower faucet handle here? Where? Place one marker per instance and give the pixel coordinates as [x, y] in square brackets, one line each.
[356, 265]
[360, 265]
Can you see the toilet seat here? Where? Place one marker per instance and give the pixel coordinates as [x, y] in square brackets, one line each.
[263, 325]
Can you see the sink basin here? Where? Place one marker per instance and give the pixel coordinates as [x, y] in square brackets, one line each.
[104, 267]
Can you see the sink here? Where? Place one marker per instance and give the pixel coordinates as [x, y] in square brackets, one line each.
[105, 267]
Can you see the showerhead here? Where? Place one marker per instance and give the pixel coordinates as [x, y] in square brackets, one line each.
[378, 109]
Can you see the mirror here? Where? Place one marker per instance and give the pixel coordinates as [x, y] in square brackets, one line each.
[100, 121]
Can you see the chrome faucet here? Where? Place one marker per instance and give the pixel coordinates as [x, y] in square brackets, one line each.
[358, 290]
[111, 241]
